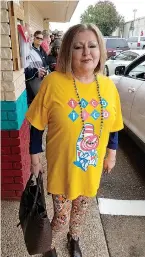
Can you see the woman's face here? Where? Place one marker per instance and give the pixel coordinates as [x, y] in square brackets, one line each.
[85, 53]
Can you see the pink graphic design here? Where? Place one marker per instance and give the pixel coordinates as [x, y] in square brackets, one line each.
[105, 114]
[85, 114]
[72, 103]
[87, 148]
[94, 103]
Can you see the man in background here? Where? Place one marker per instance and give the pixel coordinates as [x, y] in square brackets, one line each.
[36, 66]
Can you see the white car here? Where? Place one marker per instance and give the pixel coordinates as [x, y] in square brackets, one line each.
[130, 82]
[136, 42]
[124, 58]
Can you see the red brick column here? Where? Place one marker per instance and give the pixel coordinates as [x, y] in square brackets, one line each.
[15, 161]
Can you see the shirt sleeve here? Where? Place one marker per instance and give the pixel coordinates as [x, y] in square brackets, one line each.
[39, 111]
[35, 140]
[118, 120]
[113, 141]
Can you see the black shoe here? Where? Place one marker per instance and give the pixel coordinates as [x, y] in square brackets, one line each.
[51, 253]
[73, 246]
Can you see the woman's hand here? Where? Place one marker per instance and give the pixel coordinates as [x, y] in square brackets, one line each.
[35, 169]
[36, 165]
[110, 160]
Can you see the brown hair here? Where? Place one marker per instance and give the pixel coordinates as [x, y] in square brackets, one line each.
[38, 32]
[65, 54]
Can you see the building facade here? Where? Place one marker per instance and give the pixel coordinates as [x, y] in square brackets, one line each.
[132, 28]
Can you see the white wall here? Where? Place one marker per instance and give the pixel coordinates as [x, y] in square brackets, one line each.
[139, 26]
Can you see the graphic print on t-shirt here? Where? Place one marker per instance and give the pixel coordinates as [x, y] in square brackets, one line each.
[86, 148]
[94, 113]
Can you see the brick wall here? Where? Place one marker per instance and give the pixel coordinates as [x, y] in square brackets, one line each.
[15, 159]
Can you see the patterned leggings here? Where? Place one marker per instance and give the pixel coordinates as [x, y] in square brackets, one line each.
[68, 212]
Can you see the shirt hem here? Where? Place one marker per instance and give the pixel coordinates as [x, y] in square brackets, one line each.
[117, 129]
[33, 123]
[72, 197]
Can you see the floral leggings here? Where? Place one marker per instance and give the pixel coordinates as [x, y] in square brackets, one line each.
[68, 212]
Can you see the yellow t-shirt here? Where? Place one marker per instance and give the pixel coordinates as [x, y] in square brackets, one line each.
[74, 166]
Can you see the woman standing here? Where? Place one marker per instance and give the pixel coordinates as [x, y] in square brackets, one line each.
[81, 108]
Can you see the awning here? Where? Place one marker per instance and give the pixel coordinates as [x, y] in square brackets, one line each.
[56, 11]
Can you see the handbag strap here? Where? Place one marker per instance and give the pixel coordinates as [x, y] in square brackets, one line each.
[29, 181]
[38, 182]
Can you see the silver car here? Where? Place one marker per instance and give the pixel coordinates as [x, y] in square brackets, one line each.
[130, 82]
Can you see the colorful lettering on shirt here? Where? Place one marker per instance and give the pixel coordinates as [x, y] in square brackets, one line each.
[73, 115]
[95, 114]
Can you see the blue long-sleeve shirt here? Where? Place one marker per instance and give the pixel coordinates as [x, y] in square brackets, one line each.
[36, 140]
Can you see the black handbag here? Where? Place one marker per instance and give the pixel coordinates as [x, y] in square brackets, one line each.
[33, 217]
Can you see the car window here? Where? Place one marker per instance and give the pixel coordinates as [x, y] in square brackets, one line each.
[126, 56]
[114, 43]
[111, 43]
[133, 39]
[142, 38]
[138, 72]
[123, 43]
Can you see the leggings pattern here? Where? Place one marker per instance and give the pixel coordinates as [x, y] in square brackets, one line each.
[66, 213]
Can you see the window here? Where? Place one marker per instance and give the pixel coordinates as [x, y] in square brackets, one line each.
[142, 38]
[138, 72]
[16, 14]
[122, 43]
[114, 43]
[127, 56]
[133, 40]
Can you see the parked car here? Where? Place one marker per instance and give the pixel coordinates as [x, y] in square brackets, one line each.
[136, 42]
[115, 45]
[130, 82]
[124, 58]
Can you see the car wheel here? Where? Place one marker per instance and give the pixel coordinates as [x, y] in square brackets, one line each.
[106, 70]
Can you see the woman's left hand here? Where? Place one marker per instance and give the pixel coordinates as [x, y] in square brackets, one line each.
[110, 160]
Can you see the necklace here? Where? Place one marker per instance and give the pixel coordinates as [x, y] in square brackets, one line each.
[81, 109]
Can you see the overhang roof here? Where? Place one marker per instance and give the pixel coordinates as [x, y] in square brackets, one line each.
[56, 11]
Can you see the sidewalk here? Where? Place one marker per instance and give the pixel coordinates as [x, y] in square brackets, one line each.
[92, 242]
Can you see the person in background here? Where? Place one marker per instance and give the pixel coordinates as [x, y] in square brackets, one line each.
[59, 35]
[46, 42]
[52, 39]
[82, 110]
[36, 66]
[52, 58]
